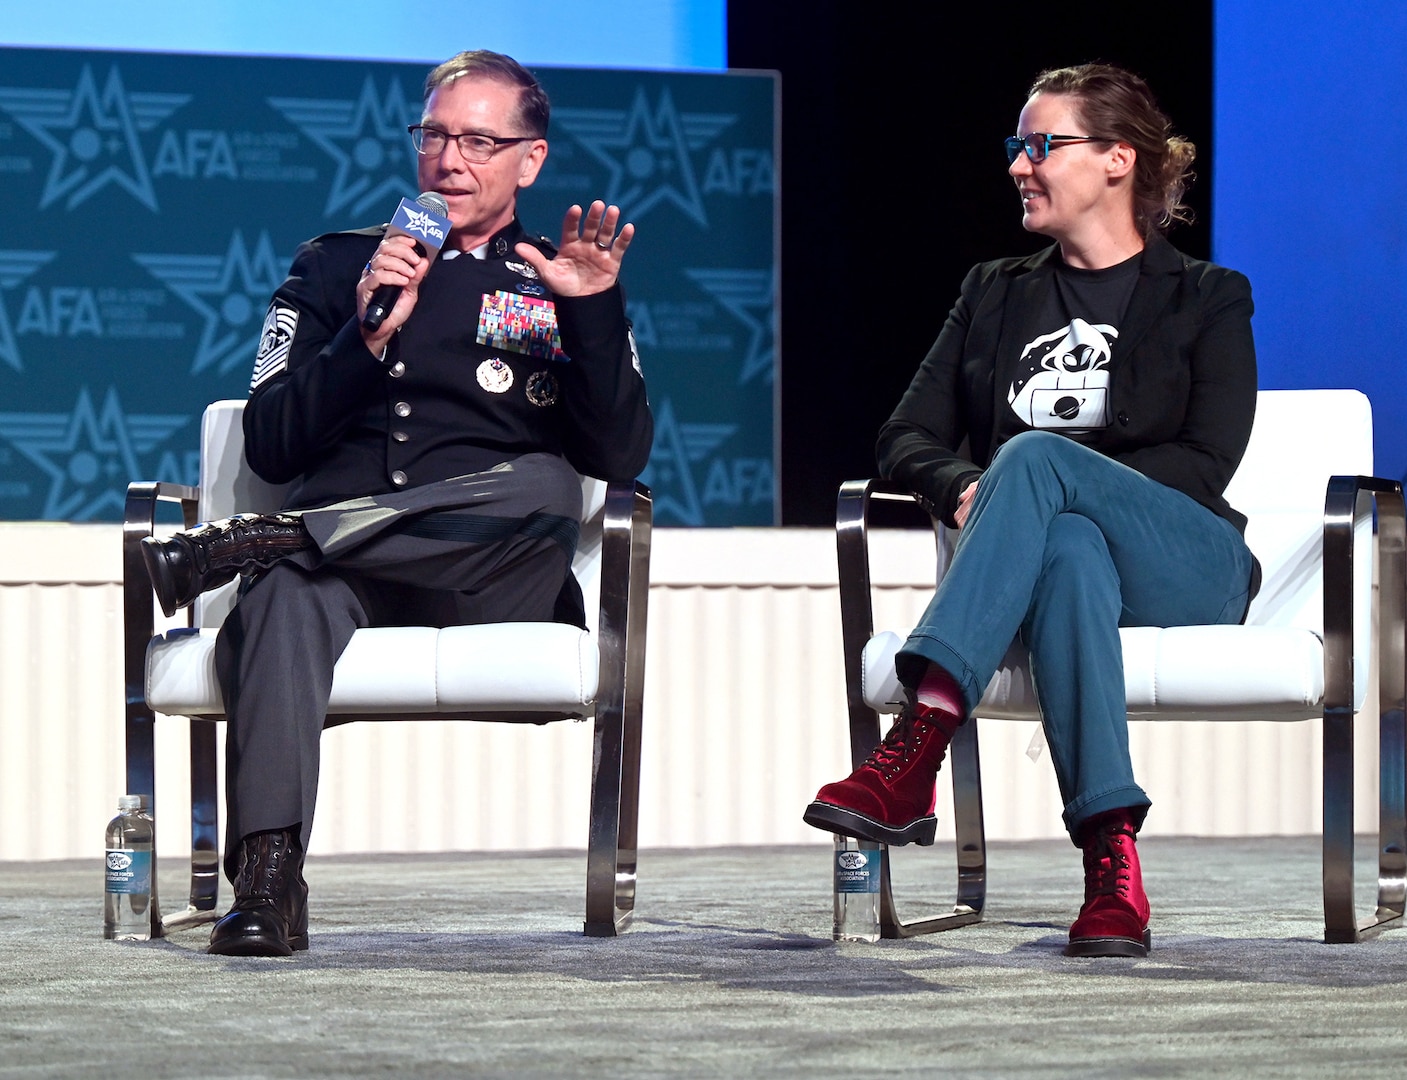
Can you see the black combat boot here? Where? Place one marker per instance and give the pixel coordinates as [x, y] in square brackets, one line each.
[215, 552]
[270, 913]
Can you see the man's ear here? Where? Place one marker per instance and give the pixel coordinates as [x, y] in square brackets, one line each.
[532, 162]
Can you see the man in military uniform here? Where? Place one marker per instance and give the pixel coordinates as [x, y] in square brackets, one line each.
[433, 459]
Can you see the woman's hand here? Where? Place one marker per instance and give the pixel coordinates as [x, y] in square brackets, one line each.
[965, 504]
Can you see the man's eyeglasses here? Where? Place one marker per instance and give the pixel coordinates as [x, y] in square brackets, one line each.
[1038, 144]
[475, 149]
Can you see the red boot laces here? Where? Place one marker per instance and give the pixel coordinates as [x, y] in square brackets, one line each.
[1107, 864]
[904, 740]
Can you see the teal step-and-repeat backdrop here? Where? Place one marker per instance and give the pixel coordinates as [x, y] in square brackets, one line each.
[152, 203]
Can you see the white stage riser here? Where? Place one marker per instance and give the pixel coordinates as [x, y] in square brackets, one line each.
[744, 720]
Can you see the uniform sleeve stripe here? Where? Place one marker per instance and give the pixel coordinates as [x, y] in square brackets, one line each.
[274, 343]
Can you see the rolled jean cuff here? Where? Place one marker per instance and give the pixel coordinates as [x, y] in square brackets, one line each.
[1126, 795]
[920, 650]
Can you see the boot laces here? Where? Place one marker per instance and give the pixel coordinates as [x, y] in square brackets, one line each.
[902, 742]
[1107, 863]
[229, 538]
[263, 872]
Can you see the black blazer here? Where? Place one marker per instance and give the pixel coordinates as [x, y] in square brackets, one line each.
[1183, 389]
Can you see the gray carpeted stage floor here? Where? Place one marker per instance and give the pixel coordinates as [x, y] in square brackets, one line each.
[467, 965]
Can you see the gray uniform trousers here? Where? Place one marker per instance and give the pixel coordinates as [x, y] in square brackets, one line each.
[494, 546]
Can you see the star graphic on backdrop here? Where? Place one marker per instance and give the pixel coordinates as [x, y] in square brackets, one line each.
[89, 456]
[15, 266]
[366, 138]
[230, 292]
[669, 474]
[750, 297]
[92, 133]
[646, 152]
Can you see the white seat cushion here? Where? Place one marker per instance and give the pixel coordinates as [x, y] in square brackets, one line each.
[500, 668]
[1172, 673]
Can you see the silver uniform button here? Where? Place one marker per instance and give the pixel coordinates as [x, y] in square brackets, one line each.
[400, 436]
[399, 478]
[402, 409]
[398, 369]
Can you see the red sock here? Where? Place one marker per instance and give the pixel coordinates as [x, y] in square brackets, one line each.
[939, 693]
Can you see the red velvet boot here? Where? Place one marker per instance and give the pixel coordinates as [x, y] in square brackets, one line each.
[1114, 920]
[889, 798]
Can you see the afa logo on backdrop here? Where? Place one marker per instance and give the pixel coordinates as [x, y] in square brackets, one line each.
[373, 160]
[98, 134]
[16, 267]
[737, 322]
[63, 306]
[649, 152]
[750, 298]
[87, 456]
[93, 135]
[688, 475]
[228, 292]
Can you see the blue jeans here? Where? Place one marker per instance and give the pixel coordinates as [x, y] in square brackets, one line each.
[1063, 546]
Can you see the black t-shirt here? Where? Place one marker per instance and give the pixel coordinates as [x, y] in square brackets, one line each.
[1063, 374]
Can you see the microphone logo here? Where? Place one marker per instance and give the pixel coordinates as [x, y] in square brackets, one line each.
[423, 224]
[426, 219]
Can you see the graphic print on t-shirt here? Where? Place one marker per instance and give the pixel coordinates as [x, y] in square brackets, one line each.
[1063, 378]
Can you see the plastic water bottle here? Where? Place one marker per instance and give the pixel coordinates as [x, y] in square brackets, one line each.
[127, 899]
[857, 864]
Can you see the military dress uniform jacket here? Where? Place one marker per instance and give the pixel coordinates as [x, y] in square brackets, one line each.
[1182, 395]
[475, 377]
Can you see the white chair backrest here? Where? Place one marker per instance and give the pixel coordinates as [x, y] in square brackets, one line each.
[227, 483]
[229, 486]
[1300, 439]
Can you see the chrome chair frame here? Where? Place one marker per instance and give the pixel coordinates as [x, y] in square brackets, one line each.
[611, 862]
[1347, 500]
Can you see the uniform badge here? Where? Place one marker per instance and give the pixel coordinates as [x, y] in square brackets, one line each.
[495, 376]
[522, 269]
[542, 388]
[274, 342]
[528, 288]
[511, 322]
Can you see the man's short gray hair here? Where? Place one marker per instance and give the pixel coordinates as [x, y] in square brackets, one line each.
[533, 108]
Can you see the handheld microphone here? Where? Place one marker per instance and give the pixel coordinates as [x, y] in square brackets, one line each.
[427, 220]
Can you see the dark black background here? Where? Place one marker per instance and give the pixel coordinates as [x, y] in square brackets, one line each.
[894, 184]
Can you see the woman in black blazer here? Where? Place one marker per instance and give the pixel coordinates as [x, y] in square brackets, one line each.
[1105, 390]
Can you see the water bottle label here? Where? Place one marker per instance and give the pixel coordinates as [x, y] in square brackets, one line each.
[857, 871]
[128, 871]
